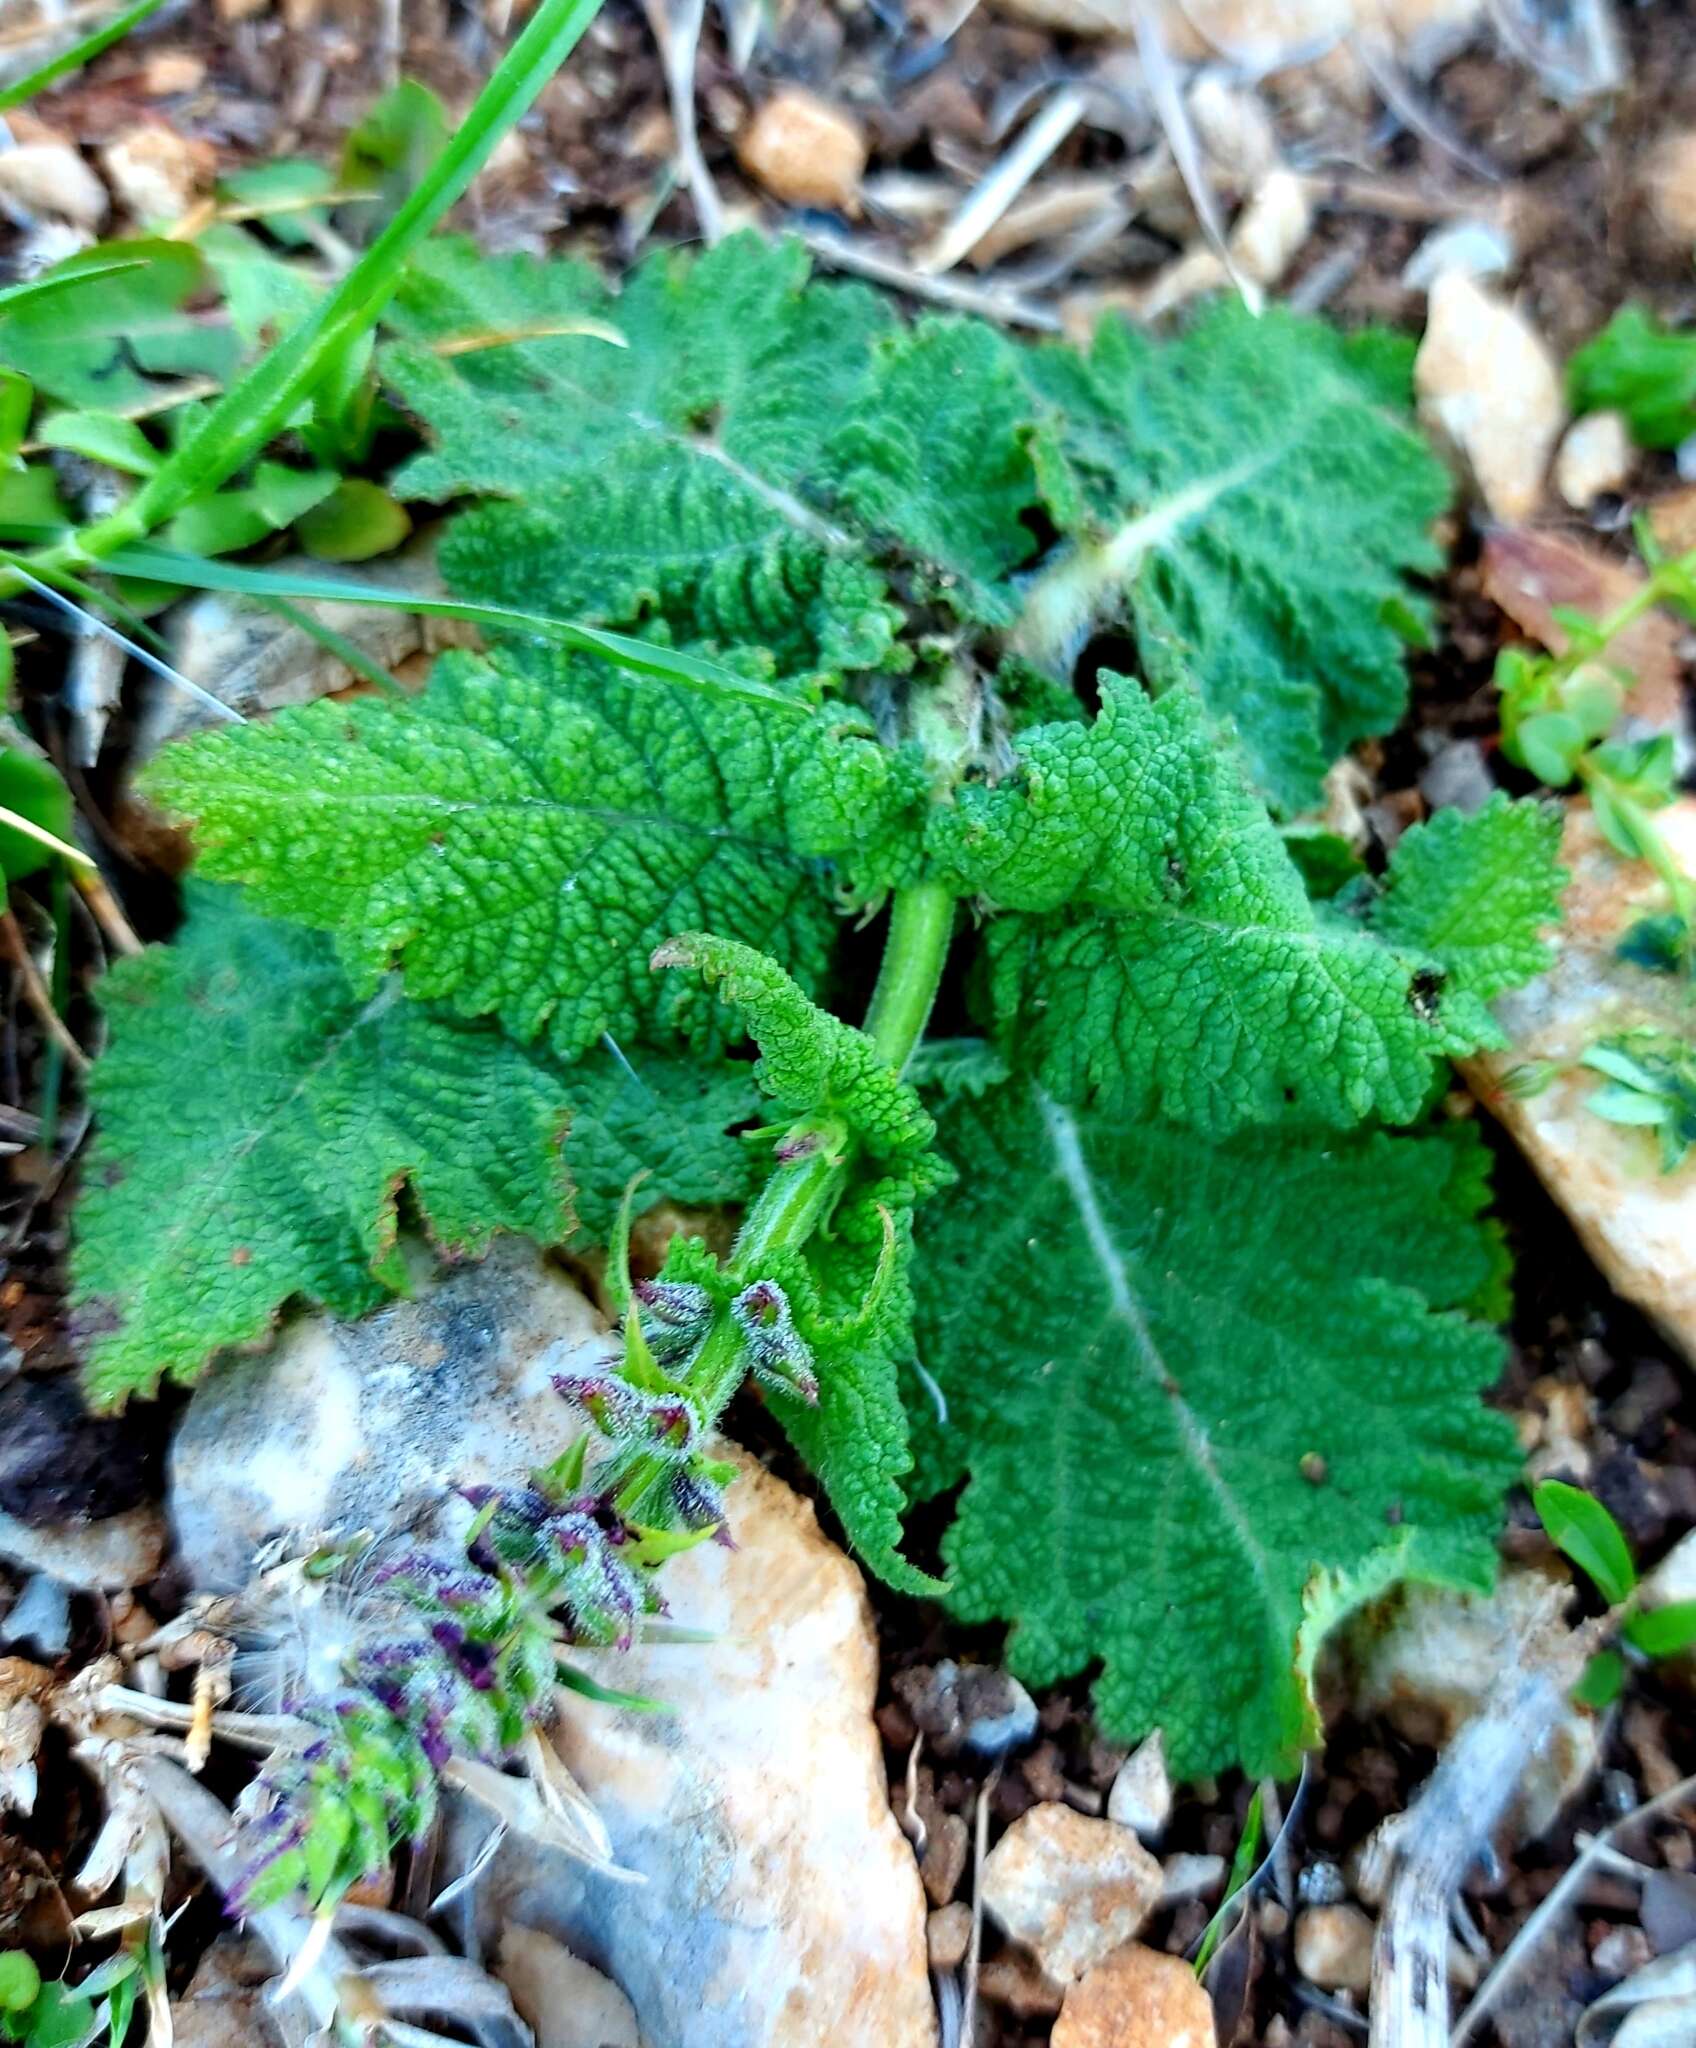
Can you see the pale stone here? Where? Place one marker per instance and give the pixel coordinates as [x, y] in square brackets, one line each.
[565, 2002]
[1136, 1998]
[1558, 1429]
[804, 151]
[1430, 1665]
[1622, 1950]
[111, 1555]
[1595, 457]
[1672, 1583]
[156, 173]
[1673, 1580]
[1268, 235]
[1669, 180]
[1190, 1875]
[1141, 1794]
[256, 662]
[1014, 1979]
[50, 177]
[948, 1934]
[169, 72]
[1070, 1887]
[371, 1424]
[1479, 248]
[1235, 129]
[1334, 1947]
[1672, 520]
[781, 1907]
[1637, 1223]
[1490, 391]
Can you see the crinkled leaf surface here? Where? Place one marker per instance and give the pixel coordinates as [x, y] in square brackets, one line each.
[522, 836]
[667, 478]
[1250, 497]
[856, 1437]
[258, 1115]
[675, 1119]
[811, 1062]
[1170, 960]
[1185, 1380]
[849, 1287]
[1476, 893]
[738, 468]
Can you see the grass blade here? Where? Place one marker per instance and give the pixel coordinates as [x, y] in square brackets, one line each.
[77, 55]
[256, 408]
[664, 664]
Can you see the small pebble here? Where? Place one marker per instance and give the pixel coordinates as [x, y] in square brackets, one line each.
[169, 72]
[1622, 1950]
[948, 1934]
[1191, 1877]
[1071, 1889]
[1457, 777]
[1013, 1980]
[1334, 1947]
[1321, 1883]
[967, 1706]
[1669, 180]
[50, 177]
[805, 151]
[1137, 1998]
[156, 173]
[943, 1864]
[1476, 248]
[1595, 458]
[1489, 388]
[1141, 1797]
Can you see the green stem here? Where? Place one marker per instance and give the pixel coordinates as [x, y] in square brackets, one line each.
[799, 1196]
[920, 924]
[260, 405]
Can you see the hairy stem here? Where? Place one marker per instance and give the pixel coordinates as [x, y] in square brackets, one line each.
[801, 1194]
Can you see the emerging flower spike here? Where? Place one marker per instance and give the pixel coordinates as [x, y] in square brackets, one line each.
[778, 1355]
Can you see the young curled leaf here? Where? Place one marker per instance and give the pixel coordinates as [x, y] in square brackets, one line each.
[815, 1065]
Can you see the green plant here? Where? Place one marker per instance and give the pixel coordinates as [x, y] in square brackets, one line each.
[319, 361]
[1558, 711]
[883, 549]
[1639, 367]
[1582, 1529]
[38, 2014]
[1650, 1082]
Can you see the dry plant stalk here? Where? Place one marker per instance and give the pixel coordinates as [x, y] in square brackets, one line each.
[1449, 1827]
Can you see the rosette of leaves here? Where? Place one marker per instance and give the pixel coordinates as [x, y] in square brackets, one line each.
[1146, 1230]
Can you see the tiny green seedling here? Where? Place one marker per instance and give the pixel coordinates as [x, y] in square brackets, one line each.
[1582, 1529]
[35, 2013]
[1557, 712]
[1649, 1082]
